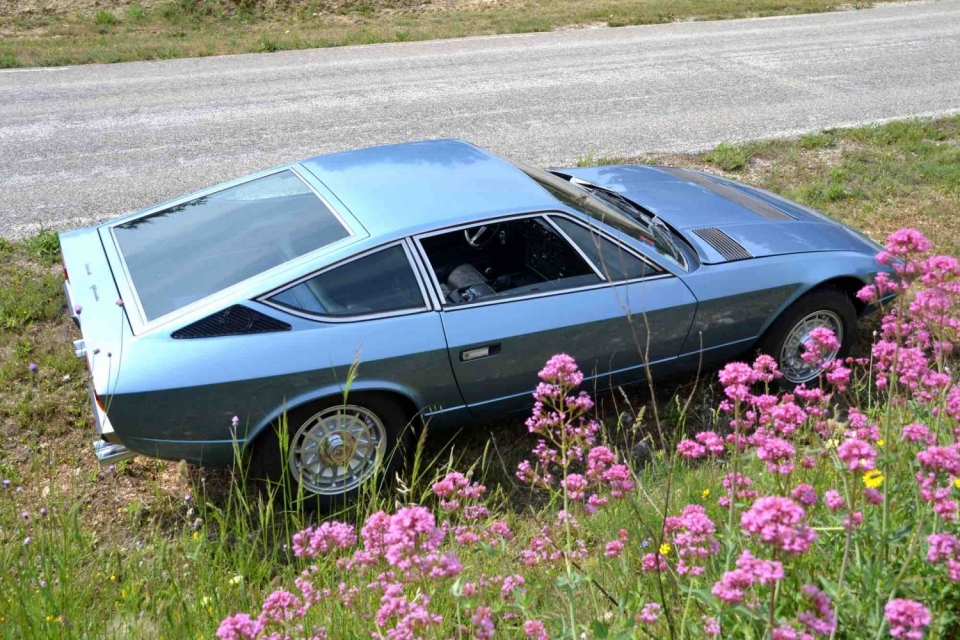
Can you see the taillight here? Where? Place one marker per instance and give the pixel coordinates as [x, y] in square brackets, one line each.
[63, 263]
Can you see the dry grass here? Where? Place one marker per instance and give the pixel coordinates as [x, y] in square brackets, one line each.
[61, 32]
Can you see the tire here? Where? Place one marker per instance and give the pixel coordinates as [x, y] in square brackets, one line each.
[293, 466]
[821, 307]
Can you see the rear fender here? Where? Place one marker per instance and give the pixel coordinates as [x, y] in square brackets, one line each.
[334, 391]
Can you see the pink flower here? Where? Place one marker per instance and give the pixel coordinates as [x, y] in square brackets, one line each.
[649, 614]
[483, 625]
[857, 454]
[820, 619]
[750, 570]
[907, 618]
[613, 549]
[904, 242]
[239, 627]
[690, 449]
[916, 432]
[535, 630]
[945, 548]
[692, 534]
[834, 500]
[282, 606]
[805, 495]
[328, 536]
[653, 562]
[711, 628]
[561, 369]
[777, 522]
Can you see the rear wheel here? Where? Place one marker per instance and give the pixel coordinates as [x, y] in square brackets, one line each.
[824, 308]
[334, 449]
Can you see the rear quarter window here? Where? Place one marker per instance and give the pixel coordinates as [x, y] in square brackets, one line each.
[192, 250]
[380, 282]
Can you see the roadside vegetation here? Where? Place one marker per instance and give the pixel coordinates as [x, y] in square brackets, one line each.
[64, 32]
[152, 549]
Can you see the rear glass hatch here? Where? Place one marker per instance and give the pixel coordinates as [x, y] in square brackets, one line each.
[180, 254]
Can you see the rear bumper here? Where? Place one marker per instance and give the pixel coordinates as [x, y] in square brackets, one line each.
[107, 445]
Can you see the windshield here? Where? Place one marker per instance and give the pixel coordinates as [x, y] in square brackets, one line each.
[610, 209]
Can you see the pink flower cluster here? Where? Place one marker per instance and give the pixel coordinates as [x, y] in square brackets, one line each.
[568, 442]
[732, 587]
[907, 618]
[692, 535]
[945, 548]
[778, 522]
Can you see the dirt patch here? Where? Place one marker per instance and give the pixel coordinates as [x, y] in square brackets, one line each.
[41, 8]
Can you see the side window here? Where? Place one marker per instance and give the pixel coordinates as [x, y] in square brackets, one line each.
[376, 283]
[614, 263]
[505, 259]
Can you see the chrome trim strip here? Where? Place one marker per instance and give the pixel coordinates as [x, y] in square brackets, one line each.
[424, 271]
[68, 293]
[264, 298]
[143, 324]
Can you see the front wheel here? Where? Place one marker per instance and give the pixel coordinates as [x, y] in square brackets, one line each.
[333, 450]
[786, 339]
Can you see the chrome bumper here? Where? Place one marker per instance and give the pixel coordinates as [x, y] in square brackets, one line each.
[107, 445]
[71, 308]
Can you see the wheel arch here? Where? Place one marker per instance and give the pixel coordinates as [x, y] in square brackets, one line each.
[409, 402]
[848, 284]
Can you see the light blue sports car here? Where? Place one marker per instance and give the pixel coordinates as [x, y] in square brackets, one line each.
[451, 275]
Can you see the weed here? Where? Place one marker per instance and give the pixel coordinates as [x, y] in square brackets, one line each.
[136, 13]
[105, 18]
[8, 61]
[729, 157]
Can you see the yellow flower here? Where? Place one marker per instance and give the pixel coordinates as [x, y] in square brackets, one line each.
[113, 578]
[705, 493]
[872, 479]
[196, 535]
[664, 549]
[956, 483]
[880, 442]
[236, 579]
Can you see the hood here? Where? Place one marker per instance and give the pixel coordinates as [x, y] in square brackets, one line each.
[722, 219]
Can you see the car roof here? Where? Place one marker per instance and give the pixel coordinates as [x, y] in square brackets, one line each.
[408, 188]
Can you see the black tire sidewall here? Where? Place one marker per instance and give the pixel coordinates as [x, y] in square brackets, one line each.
[268, 464]
[826, 299]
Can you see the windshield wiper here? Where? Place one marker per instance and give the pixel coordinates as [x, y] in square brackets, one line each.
[659, 229]
[662, 234]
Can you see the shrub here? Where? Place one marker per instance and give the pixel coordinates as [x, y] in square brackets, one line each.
[105, 18]
[729, 157]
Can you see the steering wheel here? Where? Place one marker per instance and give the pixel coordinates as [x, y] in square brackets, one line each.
[479, 237]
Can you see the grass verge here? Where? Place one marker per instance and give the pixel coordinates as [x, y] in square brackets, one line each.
[193, 28]
[151, 549]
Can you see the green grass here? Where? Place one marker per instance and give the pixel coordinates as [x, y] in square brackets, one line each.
[189, 28]
[120, 552]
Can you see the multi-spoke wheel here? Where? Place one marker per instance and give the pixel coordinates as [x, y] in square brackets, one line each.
[335, 448]
[787, 338]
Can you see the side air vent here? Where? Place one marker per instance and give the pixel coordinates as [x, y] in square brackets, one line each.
[759, 207]
[233, 321]
[727, 246]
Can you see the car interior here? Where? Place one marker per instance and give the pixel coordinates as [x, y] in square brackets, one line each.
[505, 259]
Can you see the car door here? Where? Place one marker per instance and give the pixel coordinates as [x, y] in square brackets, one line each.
[611, 323]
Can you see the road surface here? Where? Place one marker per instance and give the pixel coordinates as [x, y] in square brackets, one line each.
[79, 144]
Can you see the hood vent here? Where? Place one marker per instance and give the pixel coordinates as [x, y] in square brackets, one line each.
[237, 320]
[724, 244]
[759, 207]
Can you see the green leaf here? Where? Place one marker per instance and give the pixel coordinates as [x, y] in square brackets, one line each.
[599, 629]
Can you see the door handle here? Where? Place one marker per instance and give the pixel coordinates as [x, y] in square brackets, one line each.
[480, 352]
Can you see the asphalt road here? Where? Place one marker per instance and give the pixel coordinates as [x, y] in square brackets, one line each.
[79, 144]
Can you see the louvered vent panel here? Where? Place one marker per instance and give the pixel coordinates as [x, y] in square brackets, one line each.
[759, 207]
[233, 321]
[727, 246]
